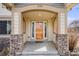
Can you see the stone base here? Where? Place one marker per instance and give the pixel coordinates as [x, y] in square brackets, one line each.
[4, 46]
[16, 44]
[62, 45]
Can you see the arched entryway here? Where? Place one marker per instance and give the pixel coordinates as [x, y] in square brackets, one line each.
[59, 11]
[40, 23]
[39, 29]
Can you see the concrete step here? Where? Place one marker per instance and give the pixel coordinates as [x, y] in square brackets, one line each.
[39, 53]
[44, 48]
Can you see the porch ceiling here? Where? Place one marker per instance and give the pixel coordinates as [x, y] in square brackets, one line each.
[39, 15]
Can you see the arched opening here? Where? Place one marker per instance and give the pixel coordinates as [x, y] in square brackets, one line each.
[39, 25]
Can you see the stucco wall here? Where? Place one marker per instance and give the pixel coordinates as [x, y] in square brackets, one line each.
[55, 26]
[4, 11]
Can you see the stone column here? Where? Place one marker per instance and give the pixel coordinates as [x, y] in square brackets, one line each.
[62, 42]
[16, 41]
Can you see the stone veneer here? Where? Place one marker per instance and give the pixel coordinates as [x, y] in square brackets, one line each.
[62, 45]
[4, 46]
[16, 44]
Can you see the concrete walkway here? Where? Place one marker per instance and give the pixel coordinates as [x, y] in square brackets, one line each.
[40, 48]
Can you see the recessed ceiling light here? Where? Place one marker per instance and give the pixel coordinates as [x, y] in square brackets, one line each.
[39, 14]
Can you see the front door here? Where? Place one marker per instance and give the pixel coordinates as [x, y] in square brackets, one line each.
[38, 30]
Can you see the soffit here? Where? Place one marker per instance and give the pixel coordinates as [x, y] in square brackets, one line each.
[39, 15]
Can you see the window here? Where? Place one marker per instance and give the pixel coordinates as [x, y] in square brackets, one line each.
[5, 27]
[8, 27]
[45, 29]
[32, 29]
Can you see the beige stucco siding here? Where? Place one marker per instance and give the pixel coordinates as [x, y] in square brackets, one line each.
[55, 28]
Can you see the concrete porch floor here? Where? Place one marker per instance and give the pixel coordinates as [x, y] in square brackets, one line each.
[40, 48]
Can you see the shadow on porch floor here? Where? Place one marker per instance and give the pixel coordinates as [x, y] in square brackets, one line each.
[39, 48]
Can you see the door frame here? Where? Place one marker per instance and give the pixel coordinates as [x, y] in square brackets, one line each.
[44, 24]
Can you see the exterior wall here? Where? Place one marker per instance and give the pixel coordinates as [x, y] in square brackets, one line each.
[55, 26]
[51, 35]
[23, 22]
[16, 23]
[62, 23]
[43, 7]
[5, 12]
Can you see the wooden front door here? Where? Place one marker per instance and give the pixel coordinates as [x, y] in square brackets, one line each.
[39, 31]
